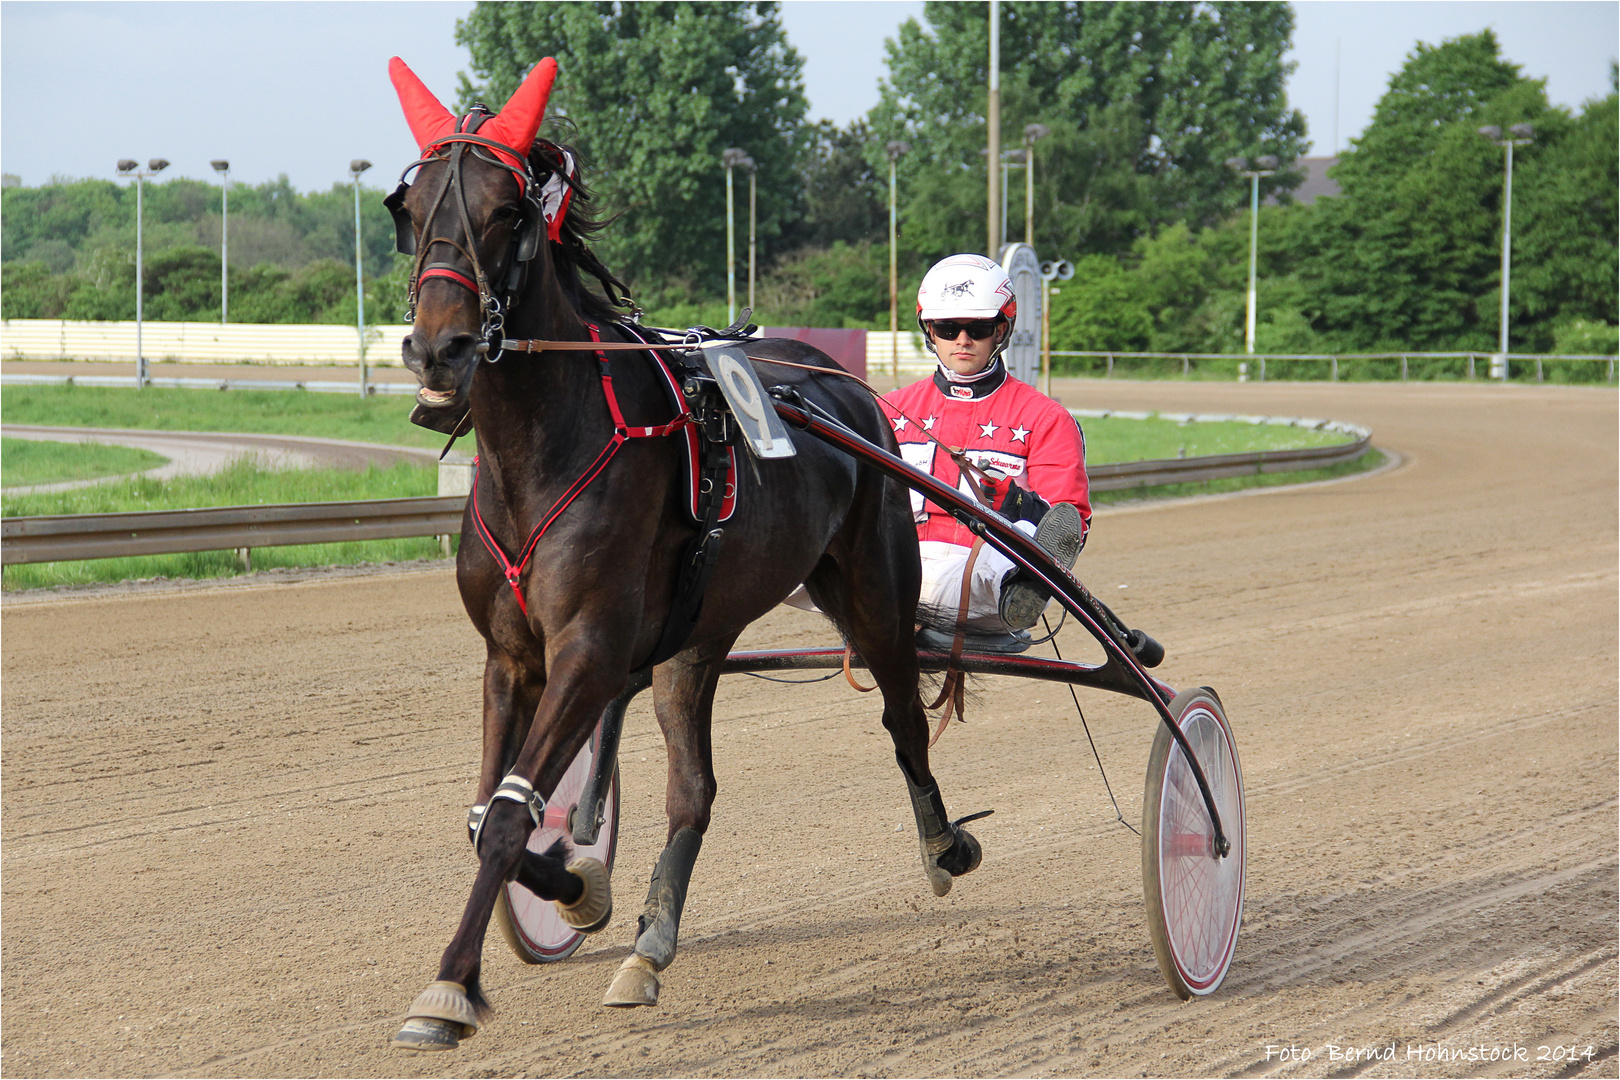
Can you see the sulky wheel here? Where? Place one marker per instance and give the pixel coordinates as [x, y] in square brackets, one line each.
[1194, 897]
[530, 925]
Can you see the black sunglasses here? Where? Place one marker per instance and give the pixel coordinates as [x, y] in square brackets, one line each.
[951, 329]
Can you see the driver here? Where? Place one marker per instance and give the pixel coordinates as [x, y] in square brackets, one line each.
[1030, 450]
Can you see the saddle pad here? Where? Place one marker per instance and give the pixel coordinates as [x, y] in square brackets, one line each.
[690, 437]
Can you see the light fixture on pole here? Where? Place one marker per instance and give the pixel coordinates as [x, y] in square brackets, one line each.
[1518, 135]
[731, 158]
[356, 167]
[894, 150]
[223, 167]
[1062, 270]
[1032, 132]
[1267, 166]
[127, 167]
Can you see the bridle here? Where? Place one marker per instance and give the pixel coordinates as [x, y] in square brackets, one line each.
[493, 304]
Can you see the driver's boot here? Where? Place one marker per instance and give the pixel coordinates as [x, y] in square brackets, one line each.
[1060, 535]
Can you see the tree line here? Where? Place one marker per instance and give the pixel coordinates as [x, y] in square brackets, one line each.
[1143, 103]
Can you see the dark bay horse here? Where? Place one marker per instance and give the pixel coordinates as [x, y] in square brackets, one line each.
[573, 539]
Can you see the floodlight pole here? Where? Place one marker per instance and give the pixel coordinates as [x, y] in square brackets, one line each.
[1518, 135]
[223, 167]
[1032, 132]
[894, 150]
[731, 158]
[1268, 166]
[752, 175]
[356, 167]
[127, 167]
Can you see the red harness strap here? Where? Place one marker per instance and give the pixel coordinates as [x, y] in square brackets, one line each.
[621, 433]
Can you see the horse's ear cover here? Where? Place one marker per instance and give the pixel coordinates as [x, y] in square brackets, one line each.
[514, 126]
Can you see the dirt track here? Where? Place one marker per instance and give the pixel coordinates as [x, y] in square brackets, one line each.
[233, 837]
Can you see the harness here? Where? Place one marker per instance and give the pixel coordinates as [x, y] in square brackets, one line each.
[714, 490]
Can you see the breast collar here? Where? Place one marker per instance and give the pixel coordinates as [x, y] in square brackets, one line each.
[982, 385]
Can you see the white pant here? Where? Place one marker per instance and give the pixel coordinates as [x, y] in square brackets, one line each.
[942, 566]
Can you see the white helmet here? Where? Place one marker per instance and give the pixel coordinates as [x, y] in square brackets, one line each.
[966, 287]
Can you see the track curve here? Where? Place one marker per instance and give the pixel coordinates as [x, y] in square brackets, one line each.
[233, 843]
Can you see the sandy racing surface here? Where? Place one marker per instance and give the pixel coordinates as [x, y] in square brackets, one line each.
[233, 839]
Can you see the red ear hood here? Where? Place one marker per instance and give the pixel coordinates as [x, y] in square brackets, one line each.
[520, 117]
[429, 120]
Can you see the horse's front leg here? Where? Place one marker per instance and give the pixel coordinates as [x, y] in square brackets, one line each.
[683, 690]
[452, 1007]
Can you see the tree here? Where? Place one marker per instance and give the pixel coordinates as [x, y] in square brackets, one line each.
[845, 197]
[650, 94]
[1144, 101]
[1408, 257]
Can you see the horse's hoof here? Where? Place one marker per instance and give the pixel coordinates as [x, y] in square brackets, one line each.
[439, 1018]
[423, 1033]
[939, 880]
[594, 908]
[635, 983]
[974, 851]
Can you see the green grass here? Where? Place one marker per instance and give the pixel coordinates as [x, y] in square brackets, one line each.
[382, 419]
[1112, 439]
[244, 482]
[29, 461]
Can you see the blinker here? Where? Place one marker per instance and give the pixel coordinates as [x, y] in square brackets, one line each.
[404, 231]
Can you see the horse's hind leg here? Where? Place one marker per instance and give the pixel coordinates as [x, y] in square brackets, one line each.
[683, 690]
[873, 597]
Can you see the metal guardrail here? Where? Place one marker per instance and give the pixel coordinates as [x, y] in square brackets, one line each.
[65, 537]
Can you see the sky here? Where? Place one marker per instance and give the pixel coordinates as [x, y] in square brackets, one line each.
[300, 86]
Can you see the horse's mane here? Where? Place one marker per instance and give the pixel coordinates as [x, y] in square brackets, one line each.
[571, 255]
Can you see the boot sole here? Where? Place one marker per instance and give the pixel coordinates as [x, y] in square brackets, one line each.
[1059, 536]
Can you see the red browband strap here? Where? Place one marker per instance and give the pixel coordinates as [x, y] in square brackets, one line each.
[446, 272]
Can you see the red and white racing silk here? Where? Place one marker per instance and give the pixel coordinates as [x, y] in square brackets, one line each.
[999, 422]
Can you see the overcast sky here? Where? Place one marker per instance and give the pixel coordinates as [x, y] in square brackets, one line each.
[302, 87]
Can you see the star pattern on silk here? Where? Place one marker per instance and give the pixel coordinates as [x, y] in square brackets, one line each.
[928, 424]
[1020, 434]
[987, 430]
[899, 423]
